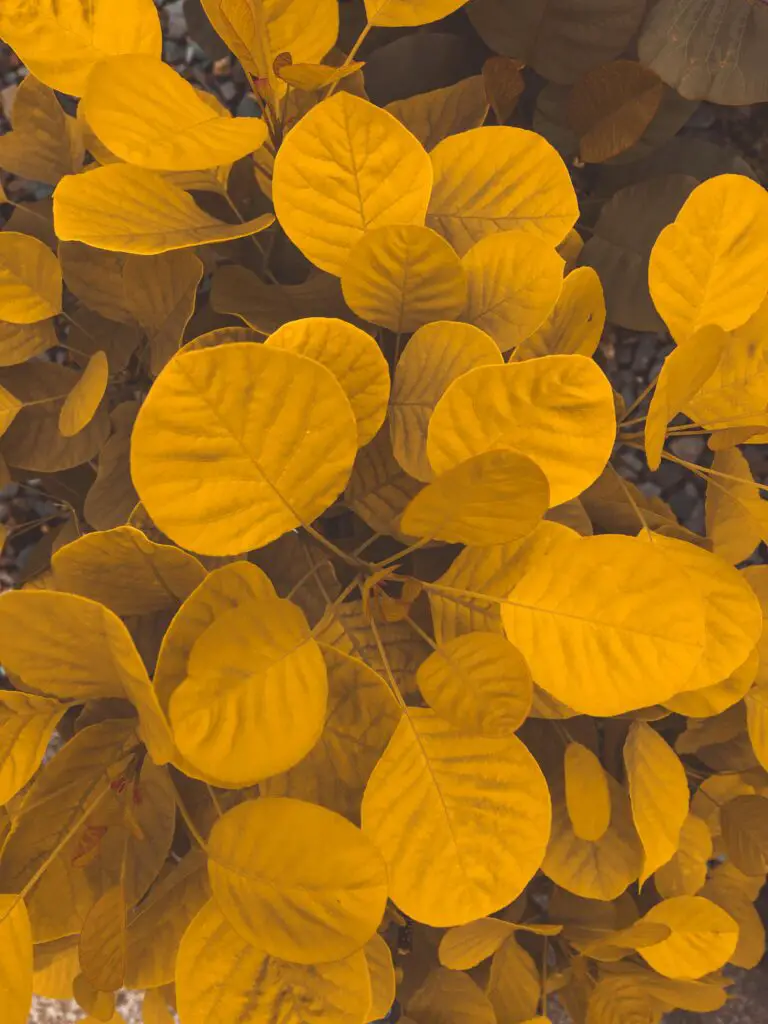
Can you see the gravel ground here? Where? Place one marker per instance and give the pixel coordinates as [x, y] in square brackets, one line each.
[630, 359]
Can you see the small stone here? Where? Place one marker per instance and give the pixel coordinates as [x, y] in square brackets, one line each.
[688, 448]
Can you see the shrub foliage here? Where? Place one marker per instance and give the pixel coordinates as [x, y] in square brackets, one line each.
[377, 682]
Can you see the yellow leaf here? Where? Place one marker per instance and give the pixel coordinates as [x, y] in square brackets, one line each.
[377, 171]
[757, 577]
[618, 1000]
[750, 948]
[99, 1005]
[309, 909]
[500, 179]
[449, 997]
[757, 721]
[220, 976]
[587, 796]
[127, 572]
[254, 675]
[736, 514]
[467, 945]
[685, 371]
[16, 964]
[312, 77]
[491, 571]
[96, 277]
[436, 355]
[279, 446]
[26, 725]
[433, 116]
[479, 682]
[493, 497]
[102, 941]
[514, 280]
[403, 277]
[576, 323]
[19, 342]
[610, 107]
[361, 716]
[658, 790]
[557, 410]
[352, 356]
[428, 805]
[396, 13]
[686, 872]
[30, 279]
[163, 290]
[612, 626]
[154, 933]
[714, 699]
[599, 870]
[379, 490]
[154, 1008]
[383, 981]
[56, 965]
[61, 40]
[514, 985]
[132, 209]
[703, 937]
[83, 400]
[705, 267]
[745, 833]
[148, 115]
[112, 497]
[45, 143]
[733, 618]
[9, 407]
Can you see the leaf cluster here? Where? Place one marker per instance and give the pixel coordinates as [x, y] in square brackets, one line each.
[375, 681]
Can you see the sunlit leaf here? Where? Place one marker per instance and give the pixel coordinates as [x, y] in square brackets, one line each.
[16, 964]
[45, 143]
[83, 400]
[686, 872]
[702, 940]
[576, 323]
[30, 279]
[587, 795]
[26, 724]
[736, 514]
[394, 13]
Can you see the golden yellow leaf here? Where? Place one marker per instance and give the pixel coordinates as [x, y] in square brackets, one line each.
[736, 514]
[102, 941]
[403, 277]
[622, 1000]
[467, 945]
[279, 436]
[493, 497]
[60, 41]
[714, 699]
[514, 280]
[757, 577]
[705, 267]
[352, 164]
[685, 371]
[479, 682]
[436, 355]
[45, 143]
[599, 870]
[162, 290]
[127, 572]
[448, 997]
[514, 985]
[587, 796]
[576, 323]
[148, 115]
[30, 279]
[312, 77]
[255, 674]
[610, 107]
[383, 981]
[56, 965]
[221, 977]
[26, 725]
[132, 209]
[703, 937]
[9, 407]
[613, 626]
[311, 909]
[757, 721]
[686, 872]
[433, 116]
[428, 805]
[361, 716]
[83, 400]
[154, 1008]
[750, 948]
[733, 618]
[499, 179]
[16, 964]
[557, 410]
[352, 356]
[394, 13]
[19, 342]
[156, 929]
[658, 790]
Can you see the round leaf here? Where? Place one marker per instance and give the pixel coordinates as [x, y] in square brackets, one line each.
[30, 279]
[307, 909]
[703, 937]
[587, 796]
[575, 325]
[279, 438]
